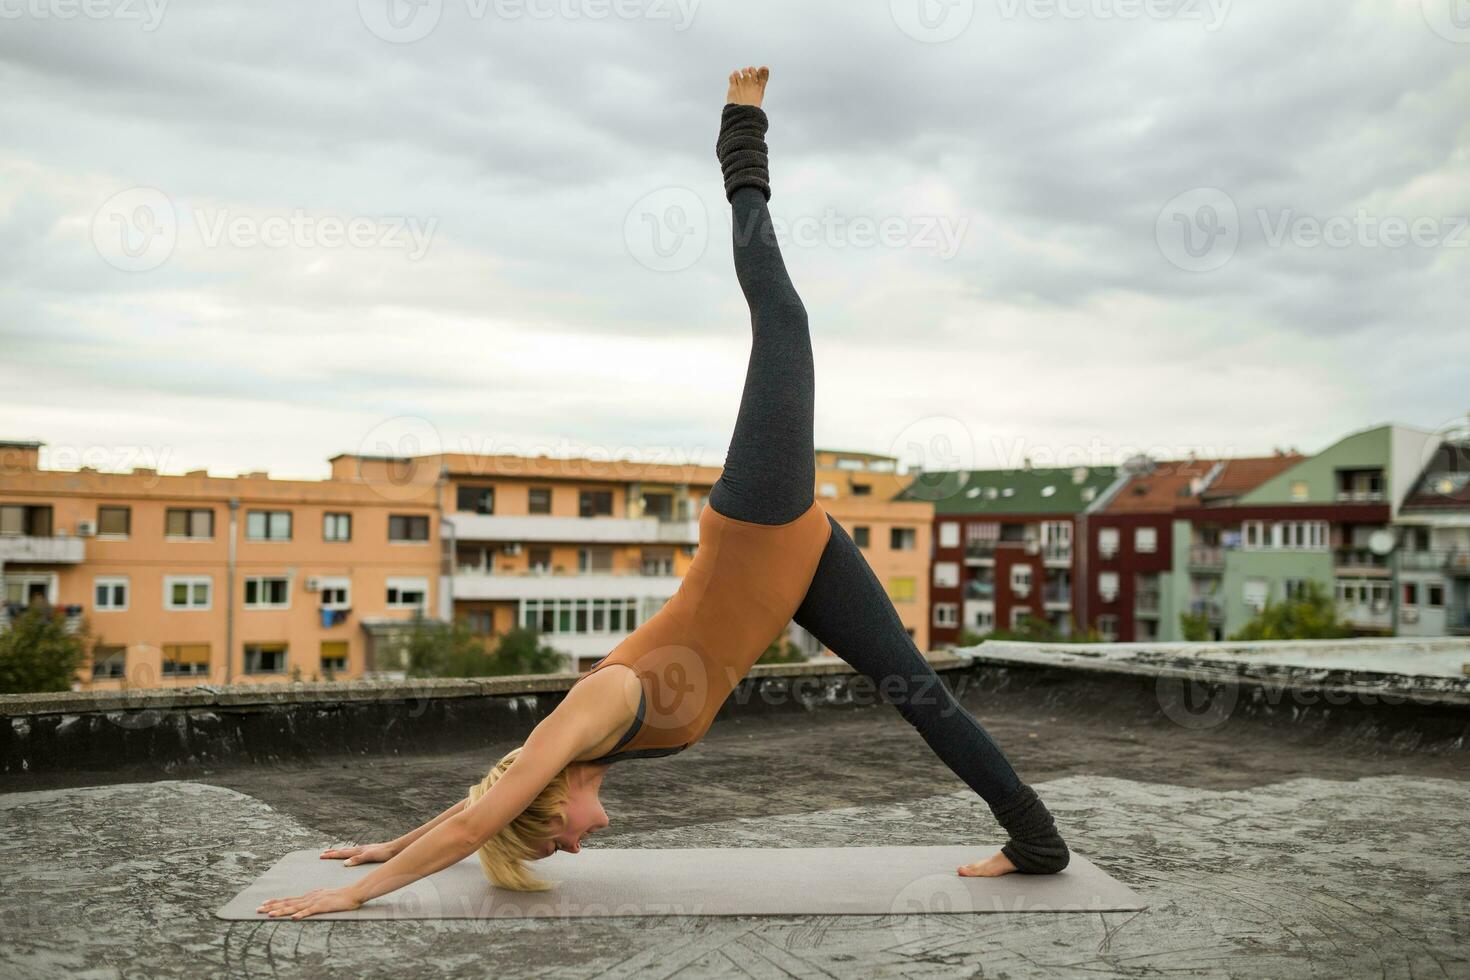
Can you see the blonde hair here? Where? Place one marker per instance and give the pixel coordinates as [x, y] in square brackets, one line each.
[504, 856]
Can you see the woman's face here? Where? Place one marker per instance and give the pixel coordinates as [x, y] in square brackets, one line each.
[585, 815]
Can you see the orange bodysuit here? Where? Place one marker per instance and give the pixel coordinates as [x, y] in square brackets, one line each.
[743, 587]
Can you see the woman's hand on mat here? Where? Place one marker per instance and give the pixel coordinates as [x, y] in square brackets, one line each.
[312, 903]
[360, 854]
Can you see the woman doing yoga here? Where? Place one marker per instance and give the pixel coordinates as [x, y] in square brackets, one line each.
[768, 554]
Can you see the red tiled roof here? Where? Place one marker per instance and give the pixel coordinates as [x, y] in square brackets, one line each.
[1166, 486]
[1243, 475]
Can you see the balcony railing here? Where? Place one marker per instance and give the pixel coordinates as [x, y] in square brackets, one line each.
[979, 590]
[980, 549]
[1377, 615]
[50, 550]
[1206, 556]
[1359, 496]
[1146, 602]
[1212, 610]
[1455, 561]
[1056, 552]
[1358, 558]
[1059, 594]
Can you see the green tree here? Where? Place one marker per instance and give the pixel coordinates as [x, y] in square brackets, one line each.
[1195, 627]
[37, 653]
[1034, 629]
[782, 651]
[434, 649]
[1311, 615]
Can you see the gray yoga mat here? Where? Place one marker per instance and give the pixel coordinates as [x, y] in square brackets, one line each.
[609, 881]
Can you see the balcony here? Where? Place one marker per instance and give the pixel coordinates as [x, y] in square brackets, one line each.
[1206, 557]
[482, 586]
[1057, 595]
[1359, 560]
[1057, 553]
[980, 551]
[1146, 603]
[1209, 608]
[979, 590]
[1455, 562]
[51, 550]
[1374, 616]
[591, 530]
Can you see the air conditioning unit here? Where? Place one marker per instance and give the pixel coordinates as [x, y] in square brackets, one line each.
[86, 529]
[514, 548]
[313, 584]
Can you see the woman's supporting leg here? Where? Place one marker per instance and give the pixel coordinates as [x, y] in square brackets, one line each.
[769, 473]
[847, 610]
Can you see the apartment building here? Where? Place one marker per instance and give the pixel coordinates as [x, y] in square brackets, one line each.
[1003, 546]
[194, 578]
[1432, 562]
[1142, 565]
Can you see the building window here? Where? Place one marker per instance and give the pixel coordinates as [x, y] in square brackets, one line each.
[115, 522]
[267, 592]
[1299, 490]
[110, 594]
[336, 527]
[556, 616]
[481, 622]
[538, 500]
[903, 538]
[946, 575]
[1021, 580]
[946, 614]
[187, 591]
[334, 657]
[659, 506]
[539, 559]
[109, 662]
[408, 593]
[1411, 593]
[1107, 586]
[904, 588]
[862, 490]
[949, 534]
[268, 525]
[1296, 588]
[1285, 535]
[983, 621]
[1145, 540]
[265, 658]
[861, 535]
[1107, 627]
[1020, 616]
[1360, 485]
[336, 593]
[408, 527]
[475, 500]
[1254, 593]
[593, 560]
[1436, 596]
[185, 659]
[657, 561]
[196, 524]
[25, 521]
[594, 503]
[1107, 542]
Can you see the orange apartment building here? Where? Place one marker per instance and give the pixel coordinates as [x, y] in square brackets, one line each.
[308, 579]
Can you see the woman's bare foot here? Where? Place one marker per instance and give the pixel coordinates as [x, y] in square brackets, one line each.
[748, 85]
[992, 867]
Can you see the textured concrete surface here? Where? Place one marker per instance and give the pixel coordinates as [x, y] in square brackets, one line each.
[1268, 846]
[1308, 878]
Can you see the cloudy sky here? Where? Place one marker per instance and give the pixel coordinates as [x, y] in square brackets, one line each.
[250, 236]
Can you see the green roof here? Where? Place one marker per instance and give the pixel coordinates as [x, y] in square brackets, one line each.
[1058, 490]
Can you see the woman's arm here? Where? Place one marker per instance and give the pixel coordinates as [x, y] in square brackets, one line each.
[589, 714]
[377, 853]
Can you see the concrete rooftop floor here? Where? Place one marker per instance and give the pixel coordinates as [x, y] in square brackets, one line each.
[1263, 852]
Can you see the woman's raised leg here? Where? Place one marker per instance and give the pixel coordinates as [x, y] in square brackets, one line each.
[848, 611]
[769, 472]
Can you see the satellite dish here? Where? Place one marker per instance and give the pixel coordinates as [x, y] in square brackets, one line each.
[1381, 541]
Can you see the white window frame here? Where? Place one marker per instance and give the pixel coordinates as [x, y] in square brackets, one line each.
[1145, 540]
[169, 581]
[946, 574]
[1021, 580]
[1107, 586]
[259, 579]
[407, 584]
[267, 516]
[1108, 541]
[111, 582]
[1018, 613]
[51, 580]
[1255, 593]
[946, 614]
[1107, 627]
[949, 534]
[332, 517]
[340, 583]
